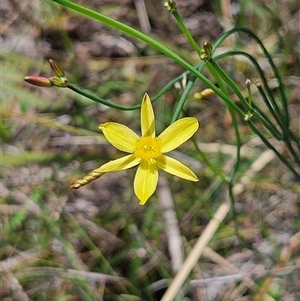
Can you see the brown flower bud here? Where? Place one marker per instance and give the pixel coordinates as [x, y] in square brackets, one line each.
[59, 71]
[38, 81]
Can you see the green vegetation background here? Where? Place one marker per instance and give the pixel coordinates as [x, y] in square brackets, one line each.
[50, 234]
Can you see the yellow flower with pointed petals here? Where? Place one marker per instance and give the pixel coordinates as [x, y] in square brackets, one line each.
[148, 150]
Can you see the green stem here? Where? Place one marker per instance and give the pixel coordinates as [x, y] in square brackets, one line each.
[230, 83]
[220, 82]
[288, 135]
[269, 58]
[187, 89]
[163, 49]
[186, 32]
[233, 86]
[270, 102]
[183, 99]
[266, 122]
[270, 146]
[100, 100]
[204, 158]
[96, 98]
[272, 106]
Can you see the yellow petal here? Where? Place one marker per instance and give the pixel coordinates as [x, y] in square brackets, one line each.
[177, 133]
[176, 168]
[147, 117]
[145, 181]
[120, 136]
[119, 164]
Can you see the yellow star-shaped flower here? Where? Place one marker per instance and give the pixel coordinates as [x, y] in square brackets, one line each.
[147, 151]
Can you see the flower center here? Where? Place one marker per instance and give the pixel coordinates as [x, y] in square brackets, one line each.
[147, 148]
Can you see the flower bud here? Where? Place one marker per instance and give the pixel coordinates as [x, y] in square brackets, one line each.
[206, 52]
[203, 56]
[204, 94]
[61, 82]
[207, 48]
[170, 5]
[59, 71]
[38, 81]
[248, 82]
[248, 116]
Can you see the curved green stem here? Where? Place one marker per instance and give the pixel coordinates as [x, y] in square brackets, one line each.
[234, 172]
[186, 32]
[230, 83]
[183, 99]
[265, 121]
[163, 49]
[269, 58]
[220, 82]
[272, 106]
[270, 146]
[204, 158]
[100, 100]
[270, 102]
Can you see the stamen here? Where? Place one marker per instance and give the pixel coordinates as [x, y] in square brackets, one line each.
[147, 148]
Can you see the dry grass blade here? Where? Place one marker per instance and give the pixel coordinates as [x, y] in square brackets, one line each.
[212, 255]
[212, 227]
[142, 15]
[277, 272]
[12, 283]
[75, 274]
[196, 252]
[172, 225]
[26, 256]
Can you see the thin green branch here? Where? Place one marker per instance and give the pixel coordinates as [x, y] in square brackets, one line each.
[270, 102]
[204, 158]
[186, 32]
[150, 41]
[100, 100]
[220, 82]
[183, 99]
[265, 121]
[270, 146]
[269, 58]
